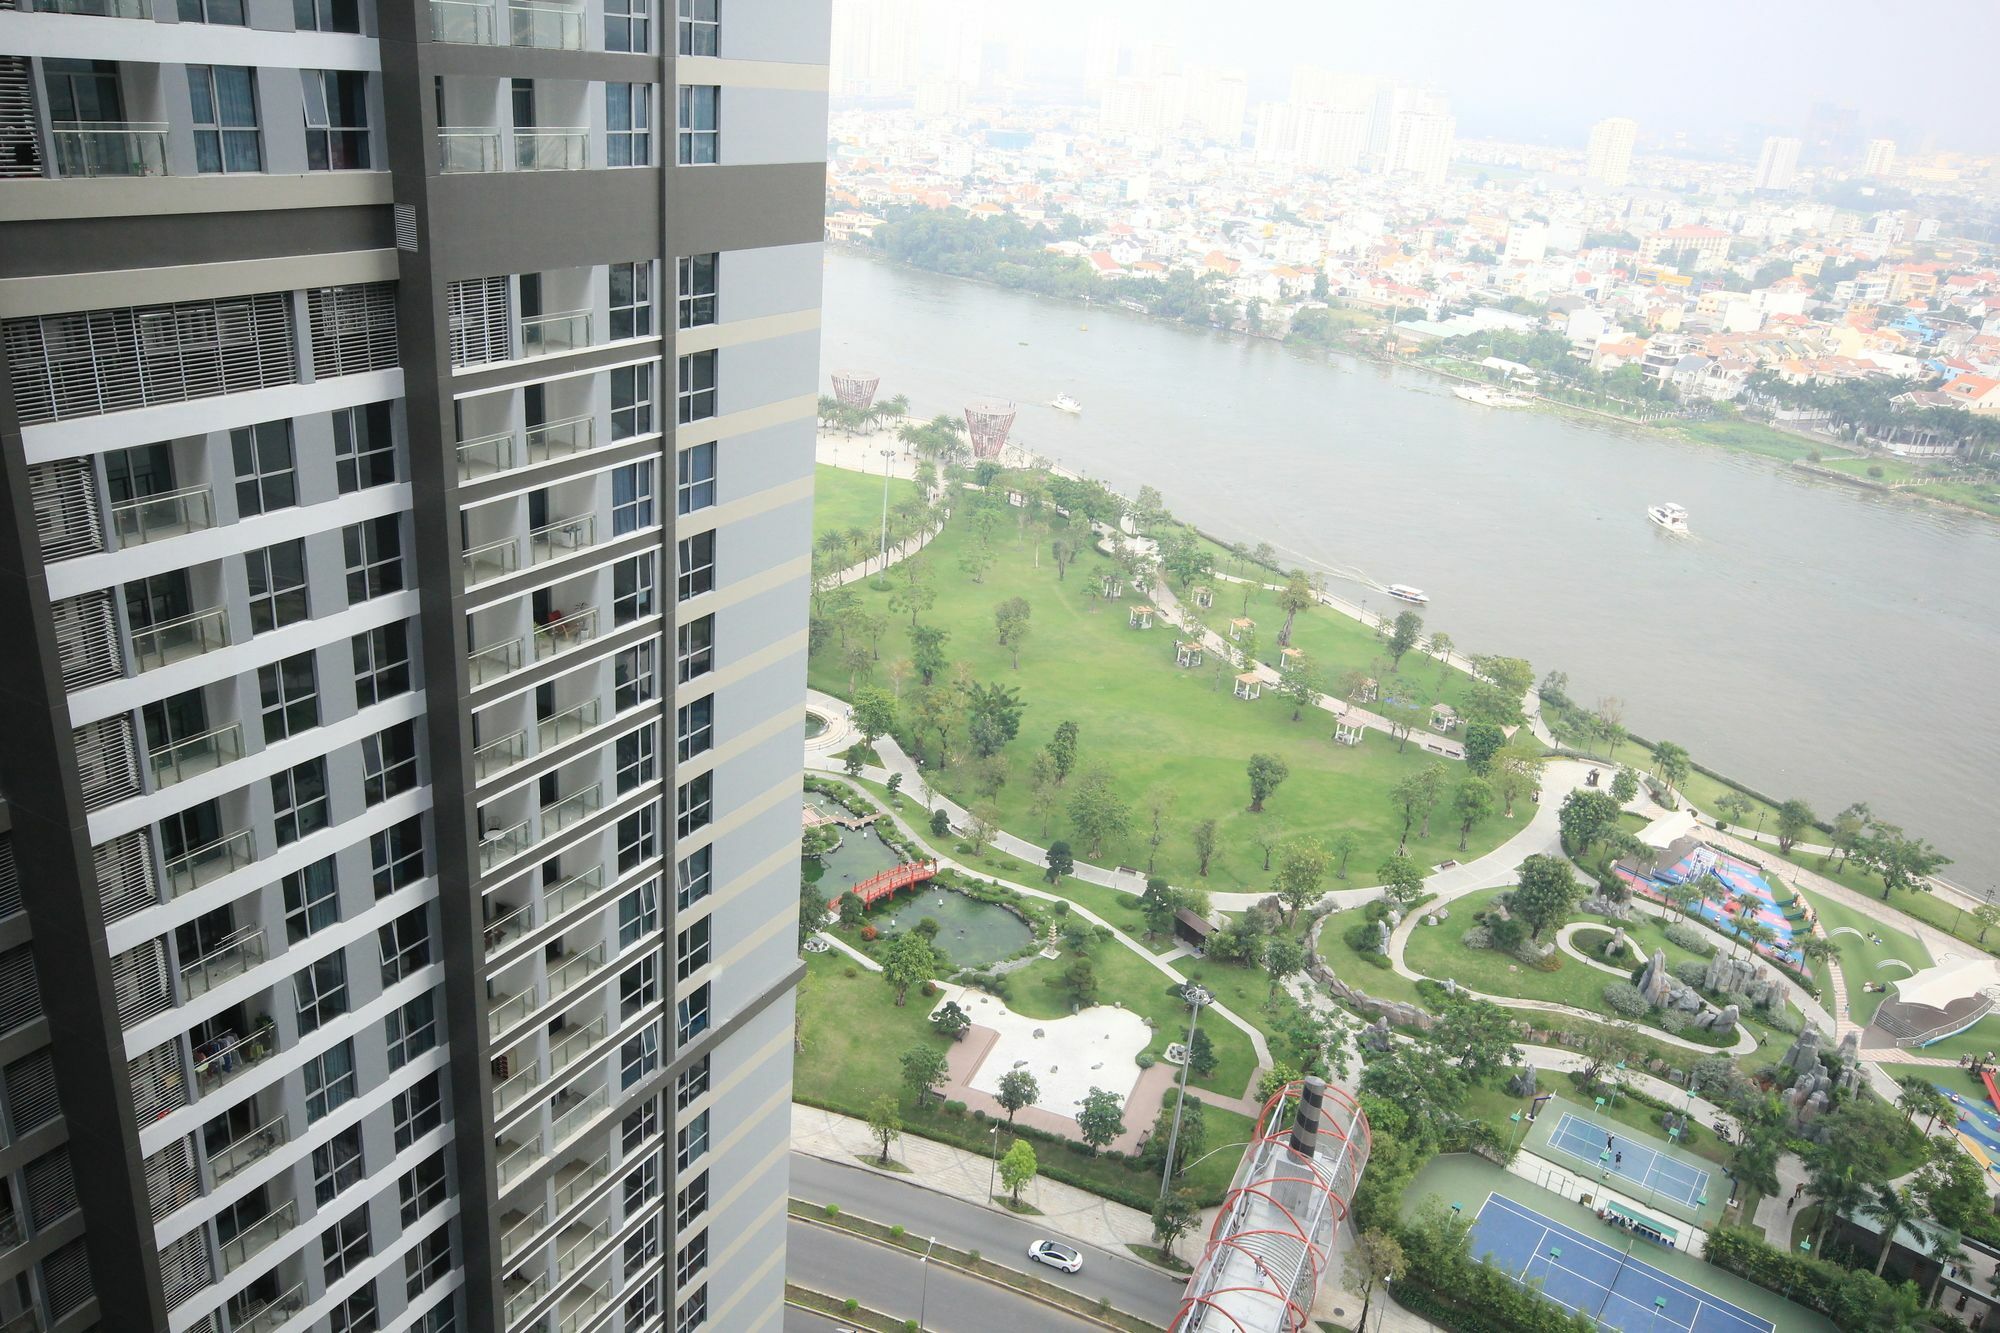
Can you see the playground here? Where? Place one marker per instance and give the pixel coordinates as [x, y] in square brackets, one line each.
[1743, 886]
[1592, 1148]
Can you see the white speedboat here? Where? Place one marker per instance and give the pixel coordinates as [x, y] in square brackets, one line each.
[1489, 397]
[1669, 516]
[1062, 402]
[1403, 592]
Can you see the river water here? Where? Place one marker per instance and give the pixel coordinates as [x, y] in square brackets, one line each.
[1809, 638]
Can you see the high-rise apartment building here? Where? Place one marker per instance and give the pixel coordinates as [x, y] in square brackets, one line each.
[1777, 164]
[1609, 158]
[1421, 139]
[1880, 158]
[399, 875]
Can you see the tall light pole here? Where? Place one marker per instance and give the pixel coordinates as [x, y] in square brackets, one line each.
[993, 1169]
[887, 454]
[924, 1297]
[1180, 1101]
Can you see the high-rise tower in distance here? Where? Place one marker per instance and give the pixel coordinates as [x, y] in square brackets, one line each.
[399, 867]
[1609, 158]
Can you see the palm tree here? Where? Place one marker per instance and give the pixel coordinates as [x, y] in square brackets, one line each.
[1947, 1247]
[1838, 1194]
[1894, 1209]
[1295, 597]
[1913, 1098]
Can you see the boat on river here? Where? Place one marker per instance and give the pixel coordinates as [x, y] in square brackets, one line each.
[1487, 396]
[1669, 516]
[1062, 402]
[1403, 592]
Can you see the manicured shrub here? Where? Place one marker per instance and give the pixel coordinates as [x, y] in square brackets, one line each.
[1479, 937]
[956, 1110]
[1690, 971]
[1691, 938]
[870, 933]
[1624, 998]
[1672, 1020]
[1145, 1060]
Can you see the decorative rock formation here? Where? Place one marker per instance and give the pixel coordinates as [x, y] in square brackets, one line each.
[1804, 1053]
[1610, 908]
[1656, 983]
[1619, 946]
[1382, 937]
[1523, 1083]
[1376, 1036]
[1722, 1022]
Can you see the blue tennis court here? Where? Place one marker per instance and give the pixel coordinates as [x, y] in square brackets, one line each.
[1597, 1279]
[1642, 1168]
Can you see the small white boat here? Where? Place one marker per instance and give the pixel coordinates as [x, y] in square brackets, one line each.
[1403, 592]
[1489, 397]
[1669, 516]
[1062, 402]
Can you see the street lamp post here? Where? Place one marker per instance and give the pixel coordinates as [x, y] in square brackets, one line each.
[887, 454]
[1180, 1100]
[924, 1297]
[992, 1170]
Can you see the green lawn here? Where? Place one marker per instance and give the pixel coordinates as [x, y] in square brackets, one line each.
[845, 500]
[1153, 727]
[1751, 437]
[1384, 983]
[1859, 960]
[1980, 1038]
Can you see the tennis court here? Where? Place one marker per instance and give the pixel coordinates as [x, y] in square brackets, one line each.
[1641, 1167]
[1597, 1279]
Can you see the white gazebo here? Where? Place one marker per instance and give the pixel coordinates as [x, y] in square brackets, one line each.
[1347, 731]
[1241, 626]
[1187, 653]
[1204, 596]
[1368, 690]
[1444, 717]
[1248, 686]
[1113, 586]
[1141, 617]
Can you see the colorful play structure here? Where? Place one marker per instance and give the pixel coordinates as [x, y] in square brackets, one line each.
[877, 887]
[1687, 862]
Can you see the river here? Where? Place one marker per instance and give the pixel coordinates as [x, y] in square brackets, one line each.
[1809, 638]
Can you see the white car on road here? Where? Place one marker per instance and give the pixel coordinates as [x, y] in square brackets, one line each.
[1056, 1255]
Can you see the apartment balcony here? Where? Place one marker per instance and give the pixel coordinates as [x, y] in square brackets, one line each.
[520, 1230]
[494, 661]
[578, 1246]
[272, 1315]
[575, 972]
[203, 865]
[507, 451]
[569, 331]
[547, 27]
[560, 900]
[505, 845]
[515, 1157]
[567, 725]
[506, 1010]
[234, 956]
[465, 22]
[259, 1236]
[219, 1063]
[509, 925]
[579, 1306]
[467, 149]
[576, 1046]
[176, 640]
[559, 815]
[154, 518]
[245, 1151]
[575, 1179]
[11, 1233]
[519, 1087]
[90, 148]
[565, 632]
[103, 9]
[184, 759]
[521, 1294]
[493, 560]
[553, 541]
[578, 1113]
[552, 149]
[499, 756]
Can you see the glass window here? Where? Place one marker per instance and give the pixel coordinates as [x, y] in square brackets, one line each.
[695, 482]
[344, 1245]
[312, 900]
[691, 1141]
[327, 15]
[693, 878]
[633, 676]
[632, 589]
[696, 558]
[398, 855]
[426, 1262]
[421, 1188]
[642, 1184]
[336, 119]
[690, 1084]
[638, 1057]
[639, 1126]
[691, 949]
[694, 726]
[638, 913]
[694, 648]
[638, 986]
[632, 300]
[631, 400]
[374, 551]
[642, 1303]
[697, 290]
[632, 498]
[321, 990]
[277, 576]
[627, 25]
[389, 762]
[381, 664]
[266, 476]
[410, 1031]
[636, 762]
[406, 945]
[692, 1259]
[211, 11]
[225, 118]
[698, 27]
[700, 123]
[694, 804]
[638, 838]
[298, 801]
[364, 447]
[692, 1313]
[628, 124]
[417, 1111]
[288, 693]
[696, 399]
[330, 1081]
[642, 1246]
[691, 1202]
[691, 1014]
[337, 1164]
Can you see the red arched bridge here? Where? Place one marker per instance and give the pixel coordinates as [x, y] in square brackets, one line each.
[877, 887]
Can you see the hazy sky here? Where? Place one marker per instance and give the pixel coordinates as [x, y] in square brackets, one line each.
[1544, 69]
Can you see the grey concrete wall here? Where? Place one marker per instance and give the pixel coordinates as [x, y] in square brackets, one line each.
[762, 126]
[766, 371]
[773, 280]
[798, 31]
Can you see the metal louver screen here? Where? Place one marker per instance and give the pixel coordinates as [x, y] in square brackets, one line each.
[87, 640]
[158, 1085]
[479, 327]
[94, 361]
[66, 1278]
[20, 992]
[139, 981]
[124, 876]
[65, 499]
[406, 227]
[20, 151]
[170, 1177]
[10, 878]
[106, 763]
[353, 328]
[51, 1188]
[184, 1267]
[31, 1092]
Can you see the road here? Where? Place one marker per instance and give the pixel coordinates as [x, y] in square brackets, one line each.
[1131, 1286]
[892, 1281]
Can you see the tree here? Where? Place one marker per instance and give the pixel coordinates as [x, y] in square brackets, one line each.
[1482, 741]
[1894, 1209]
[1294, 597]
[924, 1069]
[1300, 870]
[1848, 828]
[1100, 1119]
[1516, 772]
[1156, 907]
[1203, 835]
[1900, 861]
[1839, 1195]
[1064, 552]
[874, 714]
[1952, 1188]
[1587, 815]
[1402, 880]
[1472, 803]
[1283, 956]
[1408, 629]
[1079, 982]
[885, 1123]
[1547, 894]
[1376, 1256]
[910, 960]
[1266, 772]
[1736, 806]
[1061, 750]
[1440, 646]
[1624, 786]
[1193, 1139]
[1018, 1089]
[812, 911]
[1017, 1167]
[1408, 797]
[1060, 861]
[1269, 835]
[1173, 1217]
[1672, 763]
[1010, 619]
[1159, 804]
[951, 1021]
[993, 717]
[916, 597]
[927, 650]
[1298, 680]
[1201, 1054]
[1097, 811]
[1988, 916]
[1345, 843]
[1430, 782]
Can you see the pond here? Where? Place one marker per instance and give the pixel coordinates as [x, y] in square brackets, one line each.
[859, 856]
[815, 724]
[971, 934]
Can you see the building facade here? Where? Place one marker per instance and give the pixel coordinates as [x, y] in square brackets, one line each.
[1609, 158]
[1777, 164]
[399, 881]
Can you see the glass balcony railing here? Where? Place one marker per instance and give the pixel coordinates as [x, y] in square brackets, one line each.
[504, 1012]
[219, 1061]
[522, 1294]
[504, 930]
[468, 148]
[576, 1046]
[577, 1179]
[552, 541]
[505, 845]
[103, 9]
[110, 148]
[572, 893]
[180, 760]
[551, 27]
[567, 725]
[177, 640]
[565, 632]
[539, 149]
[494, 560]
[493, 661]
[469, 22]
[156, 517]
[577, 1246]
[259, 1236]
[487, 455]
[585, 1109]
[498, 756]
[517, 1159]
[247, 1150]
[564, 332]
[517, 1235]
[10, 1230]
[578, 1307]
[273, 1316]
[512, 1091]
[204, 865]
[560, 439]
[559, 815]
[575, 972]
[234, 956]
